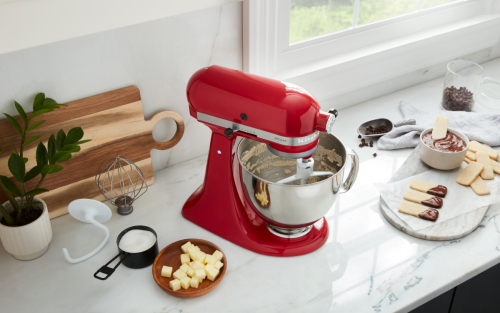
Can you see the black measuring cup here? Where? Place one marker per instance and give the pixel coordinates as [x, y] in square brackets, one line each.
[130, 259]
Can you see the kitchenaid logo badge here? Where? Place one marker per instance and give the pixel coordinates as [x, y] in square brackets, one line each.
[307, 139]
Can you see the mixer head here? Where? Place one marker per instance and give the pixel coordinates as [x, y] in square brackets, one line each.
[284, 116]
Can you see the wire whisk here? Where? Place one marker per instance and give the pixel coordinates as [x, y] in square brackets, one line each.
[121, 182]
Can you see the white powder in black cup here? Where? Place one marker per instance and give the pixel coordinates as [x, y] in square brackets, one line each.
[137, 240]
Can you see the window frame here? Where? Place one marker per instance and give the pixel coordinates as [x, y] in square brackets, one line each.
[367, 54]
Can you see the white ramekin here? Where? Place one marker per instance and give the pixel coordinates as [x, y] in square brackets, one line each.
[442, 160]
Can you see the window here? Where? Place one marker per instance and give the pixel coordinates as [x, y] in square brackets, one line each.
[312, 18]
[334, 47]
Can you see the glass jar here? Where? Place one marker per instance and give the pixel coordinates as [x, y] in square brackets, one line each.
[460, 85]
[488, 96]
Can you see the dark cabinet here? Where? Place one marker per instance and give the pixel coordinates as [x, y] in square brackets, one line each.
[440, 304]
[479, 294]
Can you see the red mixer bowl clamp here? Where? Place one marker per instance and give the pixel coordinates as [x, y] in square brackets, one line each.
[286, 117]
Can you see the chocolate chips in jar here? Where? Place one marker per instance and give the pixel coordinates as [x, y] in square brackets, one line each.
[460, 99]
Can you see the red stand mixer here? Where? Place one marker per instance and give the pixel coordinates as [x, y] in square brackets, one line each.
[263, 212]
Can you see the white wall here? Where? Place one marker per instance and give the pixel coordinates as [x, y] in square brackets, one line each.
[158, 56]
[30, 23]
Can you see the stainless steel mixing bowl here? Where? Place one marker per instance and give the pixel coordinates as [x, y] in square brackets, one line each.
[291, 208]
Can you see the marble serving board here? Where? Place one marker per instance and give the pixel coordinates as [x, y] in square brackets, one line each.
[457, 227]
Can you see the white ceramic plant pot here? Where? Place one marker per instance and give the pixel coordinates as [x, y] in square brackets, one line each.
[30, 241]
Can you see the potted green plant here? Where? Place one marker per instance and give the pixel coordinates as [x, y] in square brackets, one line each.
[25, 228]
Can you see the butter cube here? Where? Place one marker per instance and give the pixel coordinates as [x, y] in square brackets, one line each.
[197, 248]
[198, 265]
[200, 274]
[175, 284]
[184, 267]
[191, 263]
[190, 272]
[186, 246]
[218, 255]
[201, 257]
[213, 274]
[166, 271]
[218, 265]
[194, 282]
[208, 268]
[185, 258]
[185, 282]
[195, 257]
[192, 252]
[209, 258]
[179, 274]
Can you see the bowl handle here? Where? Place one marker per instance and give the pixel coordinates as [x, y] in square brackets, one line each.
[353, 173]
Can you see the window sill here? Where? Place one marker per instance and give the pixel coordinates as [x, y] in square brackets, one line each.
[350, 71]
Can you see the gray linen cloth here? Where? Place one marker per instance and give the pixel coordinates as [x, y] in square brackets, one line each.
[482, 127]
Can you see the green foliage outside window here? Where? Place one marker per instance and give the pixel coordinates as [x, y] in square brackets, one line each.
[311, 18]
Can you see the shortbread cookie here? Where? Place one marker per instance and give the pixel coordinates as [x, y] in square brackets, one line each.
[432, 189]
[423, 198]
[418, 211]
[470, 173]
[496, 166]
[440, 127]
[467, 160]
[480, 187]
[475, 146]
[483, 158]
[470, 155]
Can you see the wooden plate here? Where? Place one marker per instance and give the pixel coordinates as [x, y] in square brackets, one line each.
[171, 256]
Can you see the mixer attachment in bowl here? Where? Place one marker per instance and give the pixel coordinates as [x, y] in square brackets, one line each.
[305, 170]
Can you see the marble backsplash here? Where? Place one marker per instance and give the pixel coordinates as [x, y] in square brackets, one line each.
[158, 56]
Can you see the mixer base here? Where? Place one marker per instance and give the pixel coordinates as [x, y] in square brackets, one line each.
[289, 232]
[215, 206]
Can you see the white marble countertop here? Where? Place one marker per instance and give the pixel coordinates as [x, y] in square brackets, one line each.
[365, 266]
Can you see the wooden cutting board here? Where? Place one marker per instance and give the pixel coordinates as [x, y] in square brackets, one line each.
[114, 121]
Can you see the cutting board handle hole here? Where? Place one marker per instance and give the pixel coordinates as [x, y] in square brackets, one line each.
[168, 128]
[164, 130]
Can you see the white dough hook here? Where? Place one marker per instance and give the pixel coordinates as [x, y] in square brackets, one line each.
[93, 212]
